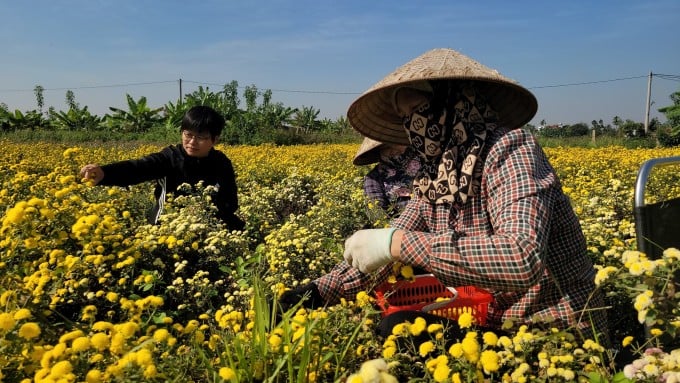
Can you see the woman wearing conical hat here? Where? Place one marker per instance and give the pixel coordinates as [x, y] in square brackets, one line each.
[389, 184]
[488, 211]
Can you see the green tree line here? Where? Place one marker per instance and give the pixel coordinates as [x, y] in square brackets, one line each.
[657, 133]
[251, 118]
[254, 118]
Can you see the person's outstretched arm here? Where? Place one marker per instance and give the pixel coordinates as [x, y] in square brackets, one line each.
[129, 172]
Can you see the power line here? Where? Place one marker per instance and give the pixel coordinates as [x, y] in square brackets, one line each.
[668, 77]
[93, 86]
[671, 77]
[278, 90]
[586, 83]
[662, 76]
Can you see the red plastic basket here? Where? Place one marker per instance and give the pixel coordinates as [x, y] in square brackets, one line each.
[423, 294]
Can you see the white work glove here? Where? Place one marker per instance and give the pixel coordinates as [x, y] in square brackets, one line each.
[368, 250]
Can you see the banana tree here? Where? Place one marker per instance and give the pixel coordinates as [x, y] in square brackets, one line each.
[225, 101]
[75, 119]
[139, 117]
[18, 120]
[672, 113]
[277, 116]
[307, 118]
[173, 114]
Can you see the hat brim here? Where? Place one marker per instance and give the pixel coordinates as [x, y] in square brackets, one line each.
[368, 153]
[373, 114]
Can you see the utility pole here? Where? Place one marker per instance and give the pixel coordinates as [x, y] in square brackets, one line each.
[649, 91]
[180, 92]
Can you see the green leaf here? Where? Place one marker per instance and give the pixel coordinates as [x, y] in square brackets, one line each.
[595, 377]
[620, 378]
[158, 318]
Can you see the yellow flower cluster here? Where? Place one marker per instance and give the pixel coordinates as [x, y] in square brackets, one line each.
[90, 292]
[373, 371]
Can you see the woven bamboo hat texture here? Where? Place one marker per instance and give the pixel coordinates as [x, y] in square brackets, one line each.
[373, 114]
[368, 153]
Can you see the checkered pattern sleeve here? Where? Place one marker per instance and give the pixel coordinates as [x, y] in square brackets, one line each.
[498, 240]
[344, 281]
[374, 189]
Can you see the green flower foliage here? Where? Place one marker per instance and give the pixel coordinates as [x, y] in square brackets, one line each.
[90, 292]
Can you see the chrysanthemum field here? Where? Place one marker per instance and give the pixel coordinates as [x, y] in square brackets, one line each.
[90, 293]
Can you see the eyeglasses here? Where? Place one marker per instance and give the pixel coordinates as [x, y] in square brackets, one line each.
[188, 136]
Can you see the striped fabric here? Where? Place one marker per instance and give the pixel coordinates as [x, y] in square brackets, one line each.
[160, 201]
[518, 238]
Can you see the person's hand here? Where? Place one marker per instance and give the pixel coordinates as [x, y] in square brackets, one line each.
[92, 172]
[308, 294]
[368, 250]
[403, 192]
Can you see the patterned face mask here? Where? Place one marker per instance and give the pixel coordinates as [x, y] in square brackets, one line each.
[449, 131]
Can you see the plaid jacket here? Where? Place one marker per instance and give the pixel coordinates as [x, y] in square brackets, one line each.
[519, 238]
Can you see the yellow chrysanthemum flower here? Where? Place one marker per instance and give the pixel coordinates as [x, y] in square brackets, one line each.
[227, 373]
[603, 274]
[363, 299]
[656, 331]
[102, 326]
[150, 371]
[471, 347]
[61, 369]
[456, 350]
[388, 352]
[627, 341]
[274, 342]
[100, 341]
[490, 361]
[94, 376]
[22, 314]
[643, 300]
[370, 370]
[29, 330]
[568, 375]
[441, 373]
[490, 338]
[400, 329]
[465, 320]
[435, 327]
[117, 345]
[406, 271]
[7, 321]
[636, 269]
[161, 335]
[418, 326]
[425, 348]
[672, 253]
[70, 336]
[89, 312]
[128, 329]
[80, 344]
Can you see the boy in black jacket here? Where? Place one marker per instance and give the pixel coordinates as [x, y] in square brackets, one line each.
[194, 160]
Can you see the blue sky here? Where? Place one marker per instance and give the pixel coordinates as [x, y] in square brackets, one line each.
[324, 53]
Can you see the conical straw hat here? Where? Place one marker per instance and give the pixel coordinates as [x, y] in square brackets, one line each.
[368, 153]
[373, 114]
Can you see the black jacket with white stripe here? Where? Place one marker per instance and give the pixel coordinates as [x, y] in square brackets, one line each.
[172, 167]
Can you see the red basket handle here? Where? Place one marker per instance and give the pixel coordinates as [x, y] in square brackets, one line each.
[442, 303]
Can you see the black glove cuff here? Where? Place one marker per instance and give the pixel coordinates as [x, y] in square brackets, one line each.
[308, 294]
[315, 299]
